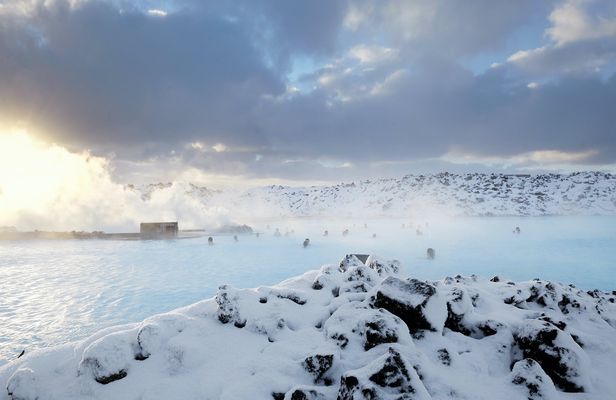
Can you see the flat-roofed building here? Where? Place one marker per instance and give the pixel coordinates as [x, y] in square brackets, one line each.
[157, 230]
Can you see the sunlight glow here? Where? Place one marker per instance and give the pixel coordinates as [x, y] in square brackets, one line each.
[32, 174]
[46, 186]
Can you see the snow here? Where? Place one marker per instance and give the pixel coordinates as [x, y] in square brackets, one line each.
[324, 335]
[54, 292]
[580, 193]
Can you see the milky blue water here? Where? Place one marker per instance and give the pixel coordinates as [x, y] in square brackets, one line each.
[52, 292]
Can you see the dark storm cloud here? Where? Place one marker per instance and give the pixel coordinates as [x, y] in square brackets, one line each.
[296, 27]
[391, 85]
[100, 76]
[426, 115]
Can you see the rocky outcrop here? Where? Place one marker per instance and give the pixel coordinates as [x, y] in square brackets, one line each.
[389, 376]
[108, 359]
[534, 383]
[415, 302]
[228, 308]
[351, 330]
[557, 353]
[318, 365]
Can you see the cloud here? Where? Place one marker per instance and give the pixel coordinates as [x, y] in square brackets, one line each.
[571, 59]
[372, 54]
[236, 87]
[157, 13]
[537, 158]
[572, 21]
[430, 109]
[94, 75]
[583, 39]
[47, 187]
[438, 26]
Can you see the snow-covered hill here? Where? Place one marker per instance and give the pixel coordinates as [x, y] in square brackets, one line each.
[586, 193]
[349, 331]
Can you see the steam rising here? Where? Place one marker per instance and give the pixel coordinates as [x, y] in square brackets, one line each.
[50, 188]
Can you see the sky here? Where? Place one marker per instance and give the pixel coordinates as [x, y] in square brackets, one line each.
[276, 91]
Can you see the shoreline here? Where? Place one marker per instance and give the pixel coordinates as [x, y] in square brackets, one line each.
[328, 332]
[192, 233]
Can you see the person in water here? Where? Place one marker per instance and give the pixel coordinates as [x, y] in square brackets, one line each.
[325, 233]
[306, 242]
[210, 240]
[430, 253]
[235, 238]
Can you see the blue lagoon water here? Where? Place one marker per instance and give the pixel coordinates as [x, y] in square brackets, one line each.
[53, 292]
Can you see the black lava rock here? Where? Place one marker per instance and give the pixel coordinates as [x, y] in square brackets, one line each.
[407, 300]
[318, 364]
[554, 350]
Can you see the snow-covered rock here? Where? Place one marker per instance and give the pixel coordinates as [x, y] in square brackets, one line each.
[417, 303]
[556, 351]
[348, 331]
[390, 376]
[108, 359]
[533, 381]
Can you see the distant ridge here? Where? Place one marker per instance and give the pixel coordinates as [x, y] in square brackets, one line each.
[473, 194]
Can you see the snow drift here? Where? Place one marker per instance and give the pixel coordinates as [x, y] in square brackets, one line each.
[347, 331]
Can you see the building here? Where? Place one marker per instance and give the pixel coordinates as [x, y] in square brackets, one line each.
[158, 230]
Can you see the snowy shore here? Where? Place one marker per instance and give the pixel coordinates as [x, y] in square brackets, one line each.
[351, 330]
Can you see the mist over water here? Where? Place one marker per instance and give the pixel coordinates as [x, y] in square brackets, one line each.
[47, 187]
[53, 292]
